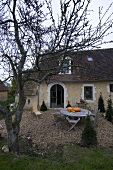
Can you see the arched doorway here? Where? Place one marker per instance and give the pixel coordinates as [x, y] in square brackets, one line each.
[56, 96]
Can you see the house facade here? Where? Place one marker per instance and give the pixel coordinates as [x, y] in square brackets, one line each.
[84, 75]
[3, 92]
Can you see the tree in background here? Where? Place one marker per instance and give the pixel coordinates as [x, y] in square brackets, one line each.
[32, 37]
[109, 111]
[12, 88]
[101, 104]
[12, 91]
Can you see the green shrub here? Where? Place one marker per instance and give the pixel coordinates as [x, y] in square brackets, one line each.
[43, 107]
[89, 136]
[101, 104]
[68, 105]
[109, 111]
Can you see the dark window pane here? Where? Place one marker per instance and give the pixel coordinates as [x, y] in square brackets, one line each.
[29, 101]
[71, 66]
[53, 100]
[111, 87]
[88, 93]
[53, 94]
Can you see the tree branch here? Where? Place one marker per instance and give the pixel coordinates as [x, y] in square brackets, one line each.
[20, 46]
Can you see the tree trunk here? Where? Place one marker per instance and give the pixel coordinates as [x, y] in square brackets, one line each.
[13, 142]
[13, 129]
[13, 125]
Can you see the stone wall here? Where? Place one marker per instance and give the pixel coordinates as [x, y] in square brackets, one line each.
[74, 92]
[3, 96]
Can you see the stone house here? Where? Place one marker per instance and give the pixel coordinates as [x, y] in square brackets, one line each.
[3, 92]
[85, 74]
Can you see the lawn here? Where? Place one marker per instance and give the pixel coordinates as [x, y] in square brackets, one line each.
[63, 157]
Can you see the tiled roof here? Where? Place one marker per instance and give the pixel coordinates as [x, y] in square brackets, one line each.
[99, 69]
[3, 88]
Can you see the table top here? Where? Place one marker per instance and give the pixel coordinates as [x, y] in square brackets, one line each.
[82, 113]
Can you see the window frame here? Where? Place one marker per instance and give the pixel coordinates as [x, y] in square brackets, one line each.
[93, 92]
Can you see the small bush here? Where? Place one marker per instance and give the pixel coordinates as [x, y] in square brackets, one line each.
[43, 107]
[101, 104]
[89, 136]
[68, 105]
[109, 111]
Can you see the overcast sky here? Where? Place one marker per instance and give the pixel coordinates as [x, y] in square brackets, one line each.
[105, 4]
[94, 15]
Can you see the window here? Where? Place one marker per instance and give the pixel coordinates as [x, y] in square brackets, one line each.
[111, 87]
[66, 67]
[28, 101]
[88, 93]
[89, 58]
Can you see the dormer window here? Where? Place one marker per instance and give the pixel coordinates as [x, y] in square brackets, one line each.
[66, 66]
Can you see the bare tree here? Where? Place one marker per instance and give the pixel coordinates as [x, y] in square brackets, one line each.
[30, 38]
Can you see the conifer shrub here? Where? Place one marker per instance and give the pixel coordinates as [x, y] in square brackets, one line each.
[101, 104]
[109, 111]
[68, 105]
[89, 135]
[43, 107]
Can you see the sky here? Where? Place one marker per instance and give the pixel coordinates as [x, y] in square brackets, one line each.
[95, 6]
[94, 15]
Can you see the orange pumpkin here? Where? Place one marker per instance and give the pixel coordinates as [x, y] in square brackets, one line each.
[69, 109]
[76, 109]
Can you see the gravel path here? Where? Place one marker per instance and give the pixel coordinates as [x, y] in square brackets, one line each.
[43, 132]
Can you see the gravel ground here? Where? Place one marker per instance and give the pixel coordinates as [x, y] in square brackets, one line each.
[43, 132]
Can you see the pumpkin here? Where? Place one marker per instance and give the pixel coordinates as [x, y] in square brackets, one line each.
[69, 109]
[76, 109]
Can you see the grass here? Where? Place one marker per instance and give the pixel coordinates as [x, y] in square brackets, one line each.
[65, 157]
